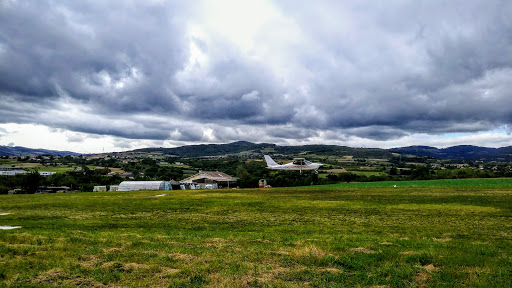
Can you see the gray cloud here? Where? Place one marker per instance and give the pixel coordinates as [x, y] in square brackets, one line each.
[165, 71]
[75, 138]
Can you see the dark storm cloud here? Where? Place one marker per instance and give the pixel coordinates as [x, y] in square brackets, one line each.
[426, 62]
[77, 45]
[160, 70]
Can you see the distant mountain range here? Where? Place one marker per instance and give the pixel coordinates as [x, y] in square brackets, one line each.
[461, 152]
[23, 151]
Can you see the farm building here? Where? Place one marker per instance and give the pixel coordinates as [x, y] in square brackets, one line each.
[46, 173]
[143, 185]
[210, 177]
[12, 172]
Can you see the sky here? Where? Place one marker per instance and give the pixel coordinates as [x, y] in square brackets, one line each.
[99, 76]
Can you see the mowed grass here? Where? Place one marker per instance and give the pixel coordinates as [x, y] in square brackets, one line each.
[303, 237]
[487, 182]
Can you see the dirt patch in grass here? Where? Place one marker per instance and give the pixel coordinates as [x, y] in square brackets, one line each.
[160, 237]
[474, 272]
[126, 267]
[58, 277]
[422, 279]
[263, 241]
[135, 266]
[169, 271]
[89, 215]
[443, 240]
[89, 261]
[362, 250]
[409, 253]
[430, 268]
[270, 275]
[84, 282]
[127, 235]
[477, 270]
[116, 249]
[386, 243]
[309, 251]
[215, 242]
[216, 280]
[51, 275]
[332, 270]
[182, 256]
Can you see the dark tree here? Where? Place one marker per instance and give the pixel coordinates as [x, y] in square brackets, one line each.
[30, 182]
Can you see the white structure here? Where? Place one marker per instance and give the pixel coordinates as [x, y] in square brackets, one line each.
[100, 189]
[12, 172]
[46, 173]
[114, 188]
[143, 185]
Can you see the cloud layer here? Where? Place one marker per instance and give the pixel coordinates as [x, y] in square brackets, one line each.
[283, 72]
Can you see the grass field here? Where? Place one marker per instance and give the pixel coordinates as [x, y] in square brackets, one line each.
[491, 182]
[337, 236]
[368, 173]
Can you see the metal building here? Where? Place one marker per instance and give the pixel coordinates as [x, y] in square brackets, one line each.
[144, 185]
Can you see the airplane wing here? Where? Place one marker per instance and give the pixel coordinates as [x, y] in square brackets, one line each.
[270, 161]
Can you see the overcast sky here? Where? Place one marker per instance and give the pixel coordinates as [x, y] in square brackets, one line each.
[93, 76]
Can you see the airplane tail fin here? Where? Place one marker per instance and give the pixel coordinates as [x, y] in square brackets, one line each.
[270, 161]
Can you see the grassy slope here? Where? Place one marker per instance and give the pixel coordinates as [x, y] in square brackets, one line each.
[318, 237]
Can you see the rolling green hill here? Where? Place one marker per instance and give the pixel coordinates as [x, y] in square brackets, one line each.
[242, 147]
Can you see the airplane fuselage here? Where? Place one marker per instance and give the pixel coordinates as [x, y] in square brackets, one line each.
[297, 164]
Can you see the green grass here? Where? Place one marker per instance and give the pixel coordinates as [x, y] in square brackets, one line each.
[490, 182]
[175, 165]
[368, 173]
[407, 236]
[57, 169]
[61, 169]
[32, 166]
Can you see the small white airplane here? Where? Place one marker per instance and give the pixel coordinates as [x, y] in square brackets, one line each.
[297, 164]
